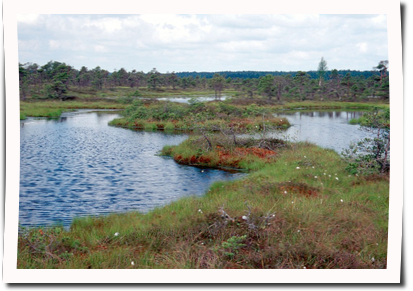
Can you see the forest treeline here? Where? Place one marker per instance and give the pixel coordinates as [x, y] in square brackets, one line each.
[56, 80]
[258, 74]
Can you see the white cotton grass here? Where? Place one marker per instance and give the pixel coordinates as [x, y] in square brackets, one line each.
[132, 263]
[298, 168]
[200, 211]
[315, 177]
[116, 234]
[341, 200]
[336, 178]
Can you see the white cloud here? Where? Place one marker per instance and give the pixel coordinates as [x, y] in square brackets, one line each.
[54, 44]
[379, 21]
[100, 48]
[107, 24]
[242, 46]
[25, 45]
[205, 42]
[175, 28]
[363, 47]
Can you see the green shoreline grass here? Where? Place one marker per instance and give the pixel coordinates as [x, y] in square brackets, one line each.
[53, 109]
[299, 209]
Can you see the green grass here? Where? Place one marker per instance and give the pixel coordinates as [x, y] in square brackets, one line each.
[54, 109]
[313, 216]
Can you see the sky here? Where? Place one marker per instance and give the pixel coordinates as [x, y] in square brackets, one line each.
[196, 42]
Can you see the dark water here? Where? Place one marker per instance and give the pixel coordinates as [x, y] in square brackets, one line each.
[329, 129]
[78, 165]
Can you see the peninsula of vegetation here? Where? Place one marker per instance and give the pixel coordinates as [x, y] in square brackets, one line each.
[300, 206]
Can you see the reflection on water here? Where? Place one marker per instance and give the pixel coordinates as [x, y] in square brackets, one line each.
[185, 99]
[77, 165]
[329, 129]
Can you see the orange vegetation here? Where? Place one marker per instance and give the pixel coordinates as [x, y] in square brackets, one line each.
[226, 158]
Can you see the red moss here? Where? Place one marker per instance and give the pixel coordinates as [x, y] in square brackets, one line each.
[193, 160]
[204, 160]
[226, 158]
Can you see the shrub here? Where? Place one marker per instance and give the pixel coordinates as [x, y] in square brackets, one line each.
[371, 155]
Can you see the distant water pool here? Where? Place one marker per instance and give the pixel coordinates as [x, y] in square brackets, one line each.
[328, 129]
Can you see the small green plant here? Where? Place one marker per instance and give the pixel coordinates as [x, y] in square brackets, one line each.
[233, 244]
[136, 94]
[125, 99]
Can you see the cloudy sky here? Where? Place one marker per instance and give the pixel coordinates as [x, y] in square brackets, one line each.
[221, 42]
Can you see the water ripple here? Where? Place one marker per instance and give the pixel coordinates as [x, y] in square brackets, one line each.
[79, 166]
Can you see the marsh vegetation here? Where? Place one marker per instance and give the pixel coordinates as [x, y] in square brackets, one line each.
[300, 206]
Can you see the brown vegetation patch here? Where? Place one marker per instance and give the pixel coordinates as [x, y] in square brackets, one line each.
[204, 160]
[227, 158]
[137, 124]
[233, 158]
[299, 188]
[240, 123]
[377, 177]
[373, 178]
[192, 160]
[258, 152]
